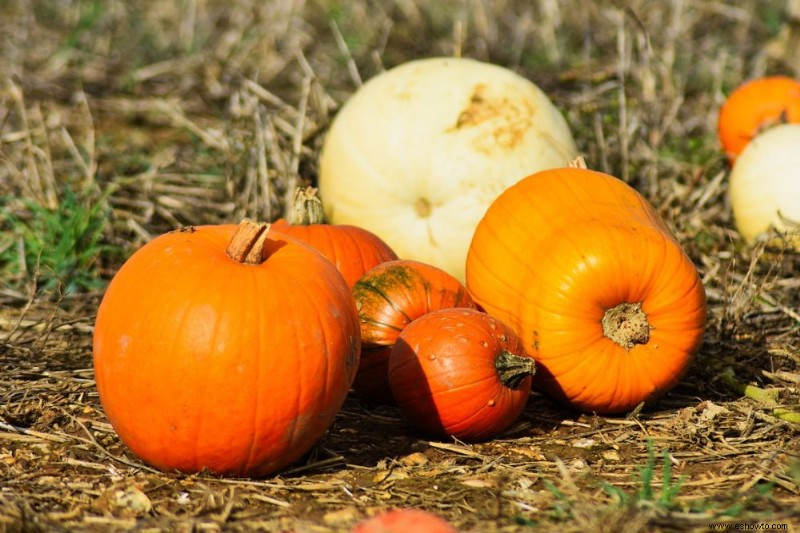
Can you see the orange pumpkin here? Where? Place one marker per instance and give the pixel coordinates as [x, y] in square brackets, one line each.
[755, 106]
[352, 249]
[405, 521]
[586, 273]
[460, 373]
[388, 298]
[224, 348]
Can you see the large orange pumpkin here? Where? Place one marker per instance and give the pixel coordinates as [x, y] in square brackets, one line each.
[460, 373]
[388, 298]
[754, 106]
[224, 348]
[586, 273]
[352, 249]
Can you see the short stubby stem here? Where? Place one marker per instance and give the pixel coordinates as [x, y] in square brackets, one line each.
[627, 325]
[307, 208]
[247, 244]
[513, 369]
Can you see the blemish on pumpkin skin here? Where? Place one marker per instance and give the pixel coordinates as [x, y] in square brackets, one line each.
[514, 117]
[375, 292]
[388, 280]
[184, 229]
[123, 343]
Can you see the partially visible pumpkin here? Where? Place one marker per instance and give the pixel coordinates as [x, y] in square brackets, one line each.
[388, 298]
[352, 249]
[764, 186]
[587, 274]
[405, 521]
[225, 348]
[755, 106]
[460, 373]
[418, 153]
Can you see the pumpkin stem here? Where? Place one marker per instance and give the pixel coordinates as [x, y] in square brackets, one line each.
[247, 244]
[578, 162]
[627, 325]
[513, 369]
[307, 208]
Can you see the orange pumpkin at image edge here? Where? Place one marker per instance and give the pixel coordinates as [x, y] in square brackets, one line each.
[586, 273]
[404, 521]
[225, 348]
[754, 106]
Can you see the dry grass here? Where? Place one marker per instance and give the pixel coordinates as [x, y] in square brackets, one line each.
[196, 111]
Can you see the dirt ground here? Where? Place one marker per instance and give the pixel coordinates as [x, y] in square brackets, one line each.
[731, 461]
[173, 113]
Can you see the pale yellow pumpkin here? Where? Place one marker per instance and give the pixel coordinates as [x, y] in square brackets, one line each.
[764, 185]
[420, 151]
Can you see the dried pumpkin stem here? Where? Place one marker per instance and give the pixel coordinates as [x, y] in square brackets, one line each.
[627, 325]
[513, 369]
[307, 208]
[247, 244]
[578, 162]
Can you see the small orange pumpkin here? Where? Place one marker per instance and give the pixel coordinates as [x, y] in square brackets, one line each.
[586, 273]
[352, 249]
[405, 521]
[460, 373]
[225, 348]
[388, 298]
[755, 106]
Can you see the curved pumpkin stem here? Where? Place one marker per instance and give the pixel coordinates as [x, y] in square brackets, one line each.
[627, 325]
[307, 208]
[513, 369]
[247, 244]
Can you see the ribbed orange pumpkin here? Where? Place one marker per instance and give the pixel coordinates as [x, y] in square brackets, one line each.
[587, 274]
[352, 249]
[755, 105]
[224, 348]
[460, 373]
[388, 298]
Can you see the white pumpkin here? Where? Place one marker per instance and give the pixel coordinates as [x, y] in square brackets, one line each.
[420, 151]
[764, 184]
